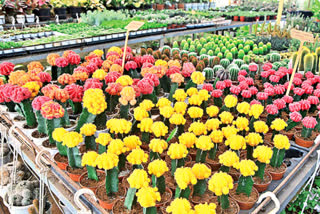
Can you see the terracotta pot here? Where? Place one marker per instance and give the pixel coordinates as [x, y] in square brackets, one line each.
[160, 6]
[289, 135]
[164, 203]
[181, 6]
[245, 205]
[268, 17]
[242, 18]
[278, 175]
[257, 18]
[93, 188]
[61, 165]
[74, 177]
[263, 187]
[235, 18]
[318, 20]
[154, 6]
[302, 142]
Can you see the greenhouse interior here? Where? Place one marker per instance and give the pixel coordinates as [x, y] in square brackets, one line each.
[159, 107]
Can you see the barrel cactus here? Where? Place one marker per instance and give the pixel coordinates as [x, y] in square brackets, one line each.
[276, 65]
[225, 62]
[315, 63]
[192, 54]
[275, 57]
[209, 73]
[244, 67]
[217, 67]
[308, 62]
[183, 52]
[223, 74]
[175, 44]
[234, 71]
[204, 56]
[238, 62]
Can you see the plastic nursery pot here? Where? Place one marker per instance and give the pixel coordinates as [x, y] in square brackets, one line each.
[277, 174]
[161, 204]
[95, 184]
[160, 6]
[233, 208]
[289, 134]
[301, 141]
[235, 18]
[60, 162]
[244, 202]
[242, 18]
[109, 204]
[16, 209]
[74, 176]
[263, 186]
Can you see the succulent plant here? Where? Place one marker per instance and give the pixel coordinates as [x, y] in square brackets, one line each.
[23, 193]
[209, 73]
[275, 57]
[223, 74]
[175, 44]
[217, 67]
[305, 51]
[225, 62]
[143, 51]
[234, 71]
[308, 62]
[149, 51]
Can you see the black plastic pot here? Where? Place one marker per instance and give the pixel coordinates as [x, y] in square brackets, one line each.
[44, 14]
[61, 12]
[305, 13]
[74, 11]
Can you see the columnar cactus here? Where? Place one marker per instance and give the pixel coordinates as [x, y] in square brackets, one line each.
[308, 62]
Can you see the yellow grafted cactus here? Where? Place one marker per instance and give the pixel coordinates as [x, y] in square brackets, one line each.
[158, 168]
[89, 158]
[188, 139]
[198, 128]
[216, 136]
[138, 179]
[180, 107]
[226, 117]
[281, 141]
[159, 129]
[158, 145]
[145, 125]
[137, 157]
[107, 161]
[228, 158]
[197, 77]
[192, 91]
[212, 111]
[94, 101]
[201, 171]
[204, 143]
[33, 87]
[177, 119]
[220, 183]
[242, 124]
[246, 167]
[119, 126]
[236, 142]
[161, 62]
[177, 151]
[98, 52]
[230, 101]
[253, 139]
[260, 127]
[243, 108]
[115, 49]
[180, 95]
[104, 139]
[128, 96]
[184, 177]
[278, 124]
[116, 147]
[58, 134]
[263, 154]
[229, 131]
[147, 196]
[162, 102]
[256, 110]
[71, 139]
[204, 94]
[205, 208]
[195, 100]
[166, 111]
[179, 206]
[140, 113]
[132, 142]
[88, 129]
[195, 112]
[147, 105]
[125, 80]
[213, 124]
[99, 74]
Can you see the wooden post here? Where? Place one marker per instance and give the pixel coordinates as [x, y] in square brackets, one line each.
[280, 9]
[125, 49]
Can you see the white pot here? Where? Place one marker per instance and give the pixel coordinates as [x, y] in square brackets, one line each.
[16, 209]
[8, 51]
[2, 19]
[5, 159]
[30, 18]
[109, 36]
[95, 39]
[50, 45]
[21, 19]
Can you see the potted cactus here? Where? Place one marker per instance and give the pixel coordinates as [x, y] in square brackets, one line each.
[147, 198]
[177, 152]
[61, 158]
[185, 179]
[304, 137]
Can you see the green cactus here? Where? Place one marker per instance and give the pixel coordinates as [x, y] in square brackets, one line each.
[239, 62]
[175, 51]
[185, 46]
[269, 46]
[241, 54]
[305, 51]
[175, 44]
[246, 49]
[217, 68]
[244, 67]
[183, 42]
[166, 47]
[225, 62]
[265, 49]
[183, 52]
[209, 73]
[276, 65]
[203, 56]
[275, 57]
[234, 52]
[256, 51]
[210, 53]
[220, 55]
[318, 55]
[247, 59]
[192, 48]
[234, 73]
[192, 54]
[199, 47]
[229, 56]
[308, 62]
[217, 51]
[189, 40]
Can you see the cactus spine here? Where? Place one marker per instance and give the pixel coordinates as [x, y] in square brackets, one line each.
[209, 73]
[225, 63]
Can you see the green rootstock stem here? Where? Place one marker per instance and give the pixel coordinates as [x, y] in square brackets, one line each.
[130, 198]
[154, 155]
[200, 187]
[217, 101]
[149, 210]
[182, 193]
[145, 137]
[306, 133]
[85, 117]
[291, 125]
[158, 89]
[251, 127]
[112, 181]
[213, 152]
[176, 163]
[122, 161]
[224, 168]
[173, 88]
[270, 118]
[62, 149]
[159, 182]
[42, 128]
[261, 168]
[151, 97]
[249, 152]
[28, 113]
[10, 105]
[74, 157]
[277, 157]
[245, 185]
[54, 72]
[190, 84]
[101, 120]
[92, 173]
[180, 130]
[137, 166]
[51, 126]
[134, 73]
[224, 201]
[76, 107]
[90, 143]
[201, 156]
[165, 83]
[112, 101]
[101, 149]
[124, 111]
[65, 119]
